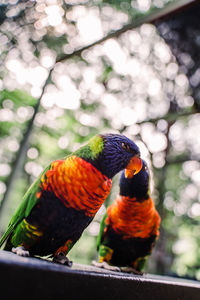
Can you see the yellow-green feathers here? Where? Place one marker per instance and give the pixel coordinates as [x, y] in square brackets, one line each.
[93, 148]
[96, 145]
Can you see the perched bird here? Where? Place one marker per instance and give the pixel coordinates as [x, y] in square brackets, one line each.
[64, 199]
[130, 227]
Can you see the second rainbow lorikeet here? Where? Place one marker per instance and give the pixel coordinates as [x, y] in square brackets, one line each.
[130, 227]
[64, 199]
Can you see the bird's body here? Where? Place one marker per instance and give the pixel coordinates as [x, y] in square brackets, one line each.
[130, 226]
[64, 199]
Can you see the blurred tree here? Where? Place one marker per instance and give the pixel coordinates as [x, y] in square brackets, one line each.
[86, 68]
[182, 32]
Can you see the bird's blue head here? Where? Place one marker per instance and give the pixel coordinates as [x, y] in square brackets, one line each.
[118, 153]
[138, 185]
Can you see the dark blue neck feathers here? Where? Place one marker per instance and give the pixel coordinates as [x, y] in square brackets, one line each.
[138, 186]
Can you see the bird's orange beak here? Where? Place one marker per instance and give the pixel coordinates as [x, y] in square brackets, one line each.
[134, 166]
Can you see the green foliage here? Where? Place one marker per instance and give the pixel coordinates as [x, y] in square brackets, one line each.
[11, 101]
[18, 97]
[55, 42]
[6, 127]
[83, 251]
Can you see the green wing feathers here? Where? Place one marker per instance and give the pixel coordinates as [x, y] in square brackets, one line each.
[101, 231]
[29, 201]
[6, 234]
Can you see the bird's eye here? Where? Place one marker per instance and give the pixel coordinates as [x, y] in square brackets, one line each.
[126, 147]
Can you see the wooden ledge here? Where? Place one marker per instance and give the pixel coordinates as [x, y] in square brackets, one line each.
[33, 278]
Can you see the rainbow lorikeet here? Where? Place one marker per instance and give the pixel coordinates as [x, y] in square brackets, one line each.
[130, 227]
[64, 199]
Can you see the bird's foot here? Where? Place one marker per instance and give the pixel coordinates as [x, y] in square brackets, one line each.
[21, 251]
[60, 258]
[105, 265]
[131, 270]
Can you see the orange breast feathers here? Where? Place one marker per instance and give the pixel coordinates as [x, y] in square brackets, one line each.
[78, 184]
[132, 218]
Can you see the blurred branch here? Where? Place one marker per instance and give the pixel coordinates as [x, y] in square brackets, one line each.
[154, 15]
[170, 117]
[182, 159]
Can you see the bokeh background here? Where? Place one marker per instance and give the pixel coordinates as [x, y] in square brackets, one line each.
[71, 69]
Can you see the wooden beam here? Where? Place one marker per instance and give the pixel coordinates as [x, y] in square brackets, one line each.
[32, 278]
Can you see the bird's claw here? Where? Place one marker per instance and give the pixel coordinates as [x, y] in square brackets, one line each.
[21, 251]
[131, 270]
[60, 258]
[105, 265]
